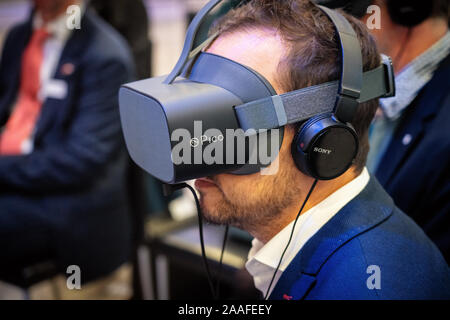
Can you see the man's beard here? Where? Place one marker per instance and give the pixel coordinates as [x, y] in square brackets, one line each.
[273, 194]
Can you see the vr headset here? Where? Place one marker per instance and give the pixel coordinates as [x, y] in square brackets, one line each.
[211, 115]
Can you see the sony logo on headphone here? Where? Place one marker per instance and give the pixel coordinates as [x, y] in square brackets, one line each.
[321, 150]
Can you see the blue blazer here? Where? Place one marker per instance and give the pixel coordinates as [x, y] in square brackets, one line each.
[339, 261]
[417, 175]
[73, 184]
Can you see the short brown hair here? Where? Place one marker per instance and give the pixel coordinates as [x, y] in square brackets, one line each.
[313, 50]
[441, 9]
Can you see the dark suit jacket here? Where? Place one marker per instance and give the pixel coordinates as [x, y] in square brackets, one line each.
[72, 186]
[341, 259]
[417, 175]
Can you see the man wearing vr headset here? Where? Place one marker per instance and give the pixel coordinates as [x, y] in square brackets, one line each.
[350, 242]
[323, 227]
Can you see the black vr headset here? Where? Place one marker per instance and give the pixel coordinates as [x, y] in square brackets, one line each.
[217, 116]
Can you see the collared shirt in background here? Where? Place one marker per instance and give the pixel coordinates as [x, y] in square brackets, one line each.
[264, 258]
[59, 33]
[408, 84]
[53, 47]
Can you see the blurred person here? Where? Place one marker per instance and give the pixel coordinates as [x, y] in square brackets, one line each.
[130, 19]
[410, 138]
[62, 157]
[349, 224]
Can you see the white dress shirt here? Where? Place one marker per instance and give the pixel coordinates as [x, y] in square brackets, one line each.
[264, 258]
[59, 33]
[53, 47]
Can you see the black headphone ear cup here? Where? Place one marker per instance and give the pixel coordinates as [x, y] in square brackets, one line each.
[409, 13]
[324, 148]
[301, 142]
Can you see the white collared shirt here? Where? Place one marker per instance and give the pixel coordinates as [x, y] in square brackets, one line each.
[52, 50]
[53, 46]
[263, 259]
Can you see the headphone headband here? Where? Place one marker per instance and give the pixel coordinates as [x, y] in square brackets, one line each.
[350, 83]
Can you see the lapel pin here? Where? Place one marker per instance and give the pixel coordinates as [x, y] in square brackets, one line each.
[67, 69]
[407, 139]
[286, 297]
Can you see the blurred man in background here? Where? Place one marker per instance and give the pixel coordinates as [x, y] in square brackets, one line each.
[410, 140]
[62, 157]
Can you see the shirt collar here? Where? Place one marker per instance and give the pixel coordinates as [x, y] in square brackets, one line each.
[264, 258]
[414, 77]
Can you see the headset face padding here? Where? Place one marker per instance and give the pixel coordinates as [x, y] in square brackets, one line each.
[324, 148]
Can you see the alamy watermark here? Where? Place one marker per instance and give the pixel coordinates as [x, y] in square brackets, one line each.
[74, 17]
[73, 281]
[73, 20]
[374, 20]
[374, 281]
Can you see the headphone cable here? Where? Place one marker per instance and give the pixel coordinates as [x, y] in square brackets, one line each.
[169, 189]
[202, 240]
[219, 272]
[215, 291]
[290, 237]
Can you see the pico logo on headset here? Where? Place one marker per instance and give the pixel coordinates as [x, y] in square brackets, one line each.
[195, 142]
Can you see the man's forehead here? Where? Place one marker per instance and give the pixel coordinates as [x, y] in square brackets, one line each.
[260, 49]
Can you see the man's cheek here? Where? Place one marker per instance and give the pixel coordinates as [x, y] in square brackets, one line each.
[210, 195]
[210, 202]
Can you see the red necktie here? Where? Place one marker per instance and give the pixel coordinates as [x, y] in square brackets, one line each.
[23, 119]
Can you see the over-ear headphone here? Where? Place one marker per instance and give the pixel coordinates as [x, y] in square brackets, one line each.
[325, 145]
[408, 13]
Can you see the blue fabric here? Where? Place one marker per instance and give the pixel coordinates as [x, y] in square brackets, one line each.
[67, 200]
[369, 230]
[417, 174]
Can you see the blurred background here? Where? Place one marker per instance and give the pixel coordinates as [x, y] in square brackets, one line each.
[169, 16]
[163, 261]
